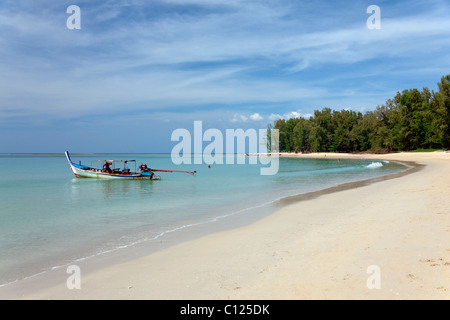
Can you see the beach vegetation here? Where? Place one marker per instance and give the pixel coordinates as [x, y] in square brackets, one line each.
[412, 120]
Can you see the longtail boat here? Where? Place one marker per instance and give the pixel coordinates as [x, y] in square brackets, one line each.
[110, 170]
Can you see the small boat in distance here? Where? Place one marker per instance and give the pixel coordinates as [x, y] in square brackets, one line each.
[110, 170]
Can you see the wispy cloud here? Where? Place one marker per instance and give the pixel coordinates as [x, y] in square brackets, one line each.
[197, 56]
[289, 115]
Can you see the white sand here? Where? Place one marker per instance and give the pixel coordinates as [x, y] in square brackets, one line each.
[314, 249]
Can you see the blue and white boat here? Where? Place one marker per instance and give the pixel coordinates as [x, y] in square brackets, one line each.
[110, 170]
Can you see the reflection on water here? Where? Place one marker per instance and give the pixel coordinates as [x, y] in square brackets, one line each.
[82, 187]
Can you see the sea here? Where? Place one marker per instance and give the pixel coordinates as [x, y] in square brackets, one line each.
[50, 219]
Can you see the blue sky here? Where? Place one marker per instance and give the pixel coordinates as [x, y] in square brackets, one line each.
[137, 70]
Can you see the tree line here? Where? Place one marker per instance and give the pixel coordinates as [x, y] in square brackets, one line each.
[412, 120]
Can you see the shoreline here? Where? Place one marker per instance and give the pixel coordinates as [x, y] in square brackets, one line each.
[191, 229]
[413, 167]
[106, 276]
[182, 233]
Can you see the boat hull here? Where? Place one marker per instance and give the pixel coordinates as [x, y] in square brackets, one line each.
[81, 171]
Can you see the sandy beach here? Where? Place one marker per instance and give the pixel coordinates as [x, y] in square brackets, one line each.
[386, 240]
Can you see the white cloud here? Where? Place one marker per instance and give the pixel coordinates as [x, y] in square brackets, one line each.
[239, 118]
[289, 115]
[256, 117]
[274, 117]
[154, 62]
[296, 114]
[292, 114]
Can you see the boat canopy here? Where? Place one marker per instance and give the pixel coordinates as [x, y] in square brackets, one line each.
[115, 162]
[112, 161]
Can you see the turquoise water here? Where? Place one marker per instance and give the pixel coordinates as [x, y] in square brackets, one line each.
[49, 218]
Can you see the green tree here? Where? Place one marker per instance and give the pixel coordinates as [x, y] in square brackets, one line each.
[412, 119]
[283, 134]
[343, 123]
[443, 109]
[362, 131]
[301, 135]
[322, 131]
[269, 138]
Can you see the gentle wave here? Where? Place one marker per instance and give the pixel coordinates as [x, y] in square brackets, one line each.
[374, 165]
